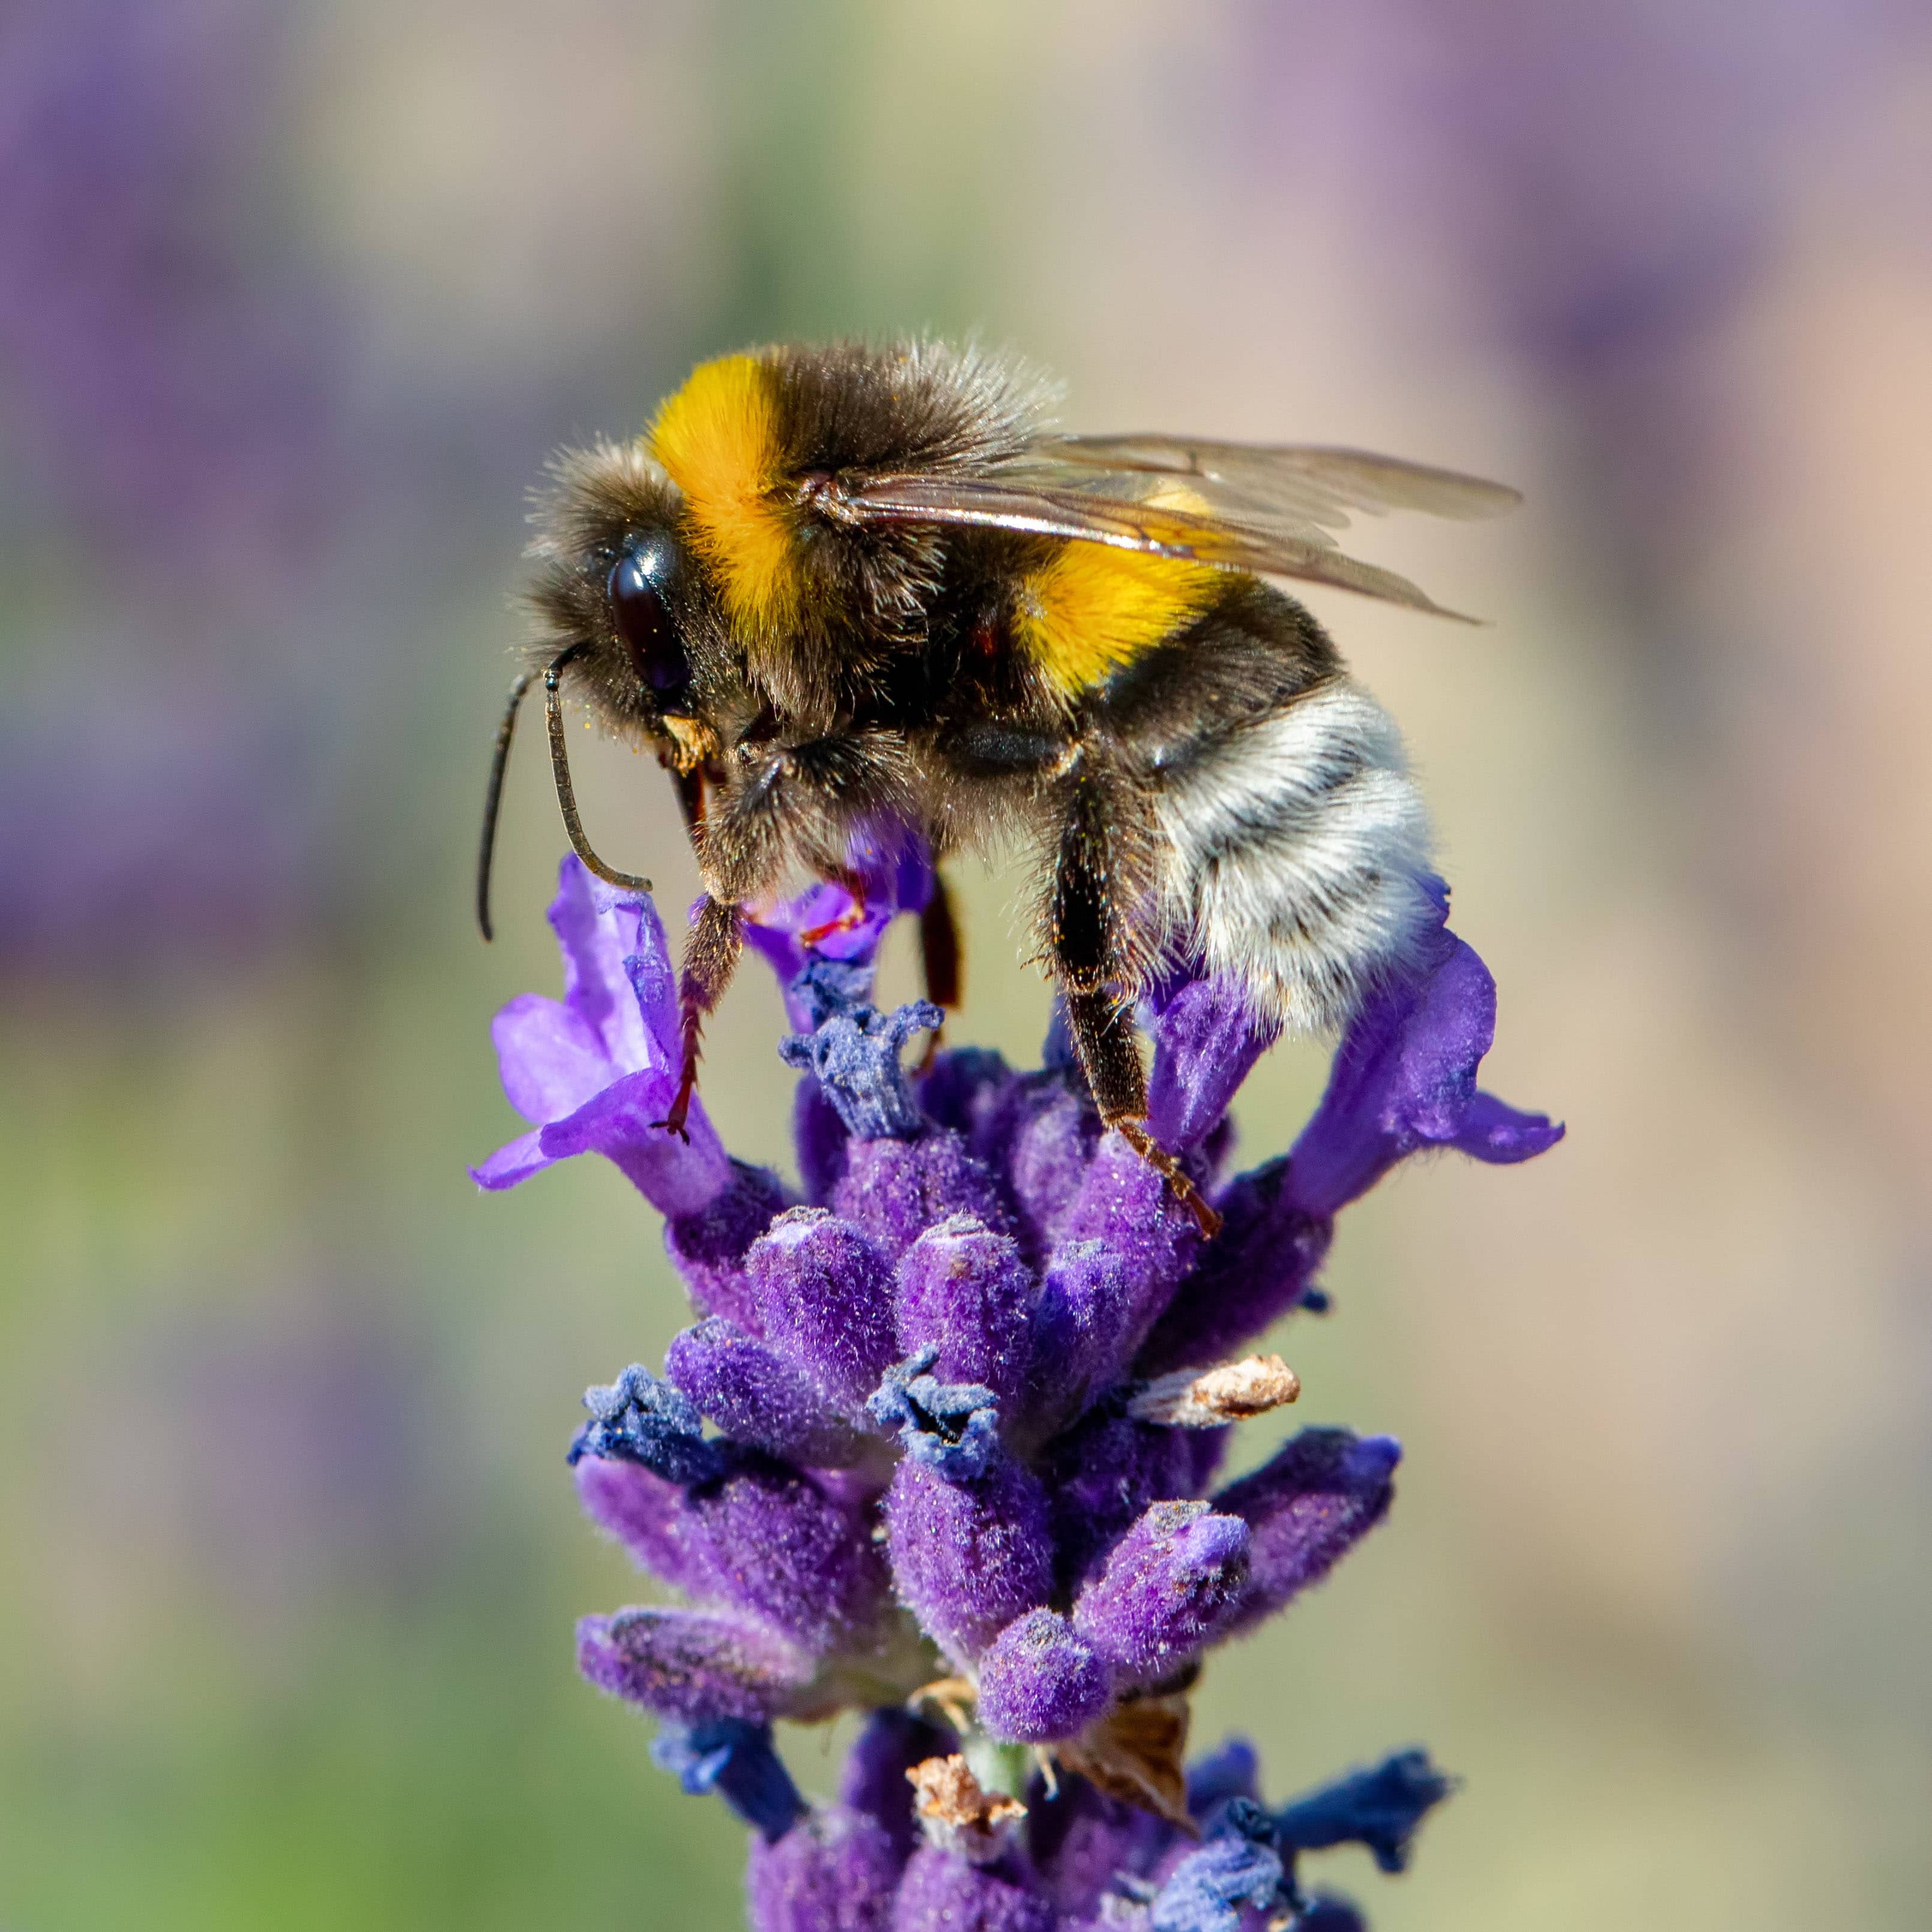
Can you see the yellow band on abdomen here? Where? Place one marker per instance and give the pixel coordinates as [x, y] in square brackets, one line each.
[1092, 608]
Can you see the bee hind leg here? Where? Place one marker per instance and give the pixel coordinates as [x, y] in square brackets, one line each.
[710, 957]
[1094, 876]
[1102, 1028]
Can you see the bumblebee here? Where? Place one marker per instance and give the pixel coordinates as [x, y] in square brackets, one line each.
[844, 589]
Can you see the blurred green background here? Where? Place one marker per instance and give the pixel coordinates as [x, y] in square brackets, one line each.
[295, 300]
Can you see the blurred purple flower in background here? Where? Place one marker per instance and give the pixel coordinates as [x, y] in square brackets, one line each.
[971, 1393]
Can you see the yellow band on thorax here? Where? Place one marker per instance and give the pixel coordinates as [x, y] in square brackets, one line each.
[717, 440]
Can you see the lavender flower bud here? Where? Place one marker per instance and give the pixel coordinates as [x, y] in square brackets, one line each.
[1317, 1496]
[834, 1871]
[1040, 1680]
[824, 1295]
[966, 1292]
[968, 1556]
[1172, 1584]
[943, 1893]
[759, 1398]
[895, 1189]
[691, 1665]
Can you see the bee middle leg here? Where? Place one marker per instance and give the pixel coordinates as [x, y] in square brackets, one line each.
[711, 951]
[1095, 885]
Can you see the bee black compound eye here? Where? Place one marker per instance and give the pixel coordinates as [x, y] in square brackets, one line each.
[643, 619]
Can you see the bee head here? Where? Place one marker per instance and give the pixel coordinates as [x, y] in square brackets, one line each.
[623, 608]
[627, 622]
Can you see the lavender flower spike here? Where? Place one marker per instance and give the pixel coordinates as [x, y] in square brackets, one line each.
[952, 1478]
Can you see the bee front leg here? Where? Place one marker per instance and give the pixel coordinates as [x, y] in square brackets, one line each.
[710, 957]
[1094, 878]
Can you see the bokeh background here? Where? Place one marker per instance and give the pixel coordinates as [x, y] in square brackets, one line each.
[295, 300]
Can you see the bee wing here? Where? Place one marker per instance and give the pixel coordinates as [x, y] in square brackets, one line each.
[1240, 506]
[1295, 483]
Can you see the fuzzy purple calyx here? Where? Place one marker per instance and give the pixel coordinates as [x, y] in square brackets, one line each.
[1305, 1507]
[833, 1871]
[1040, 1679]
[968, 1556]
[1171, 1585]
[759, 1398]
[691, 1665]
[823, 1292]
[967, 1292]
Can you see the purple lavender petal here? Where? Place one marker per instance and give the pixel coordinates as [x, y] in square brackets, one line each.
[1319, 1494]
[1257, 1268]
[1171, 1587]
[598, 930]
[759, 1399]
[691, 1665]
[598, 1072]
[968, 1557]
[1381, 1807]
[736, 1760]
[1404, 1079]
[875, 1782]
[895, 1189]
[709, 1245]
[940, 1892]
[516, 1160]
[624, 1124]
[553, 1060]
[896, 874]
[834, 1871]
[966, 1292]
[823, 1291]
[1207, 1035]
[1041, 1679]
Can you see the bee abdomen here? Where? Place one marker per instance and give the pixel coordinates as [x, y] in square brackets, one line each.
[1298, 855]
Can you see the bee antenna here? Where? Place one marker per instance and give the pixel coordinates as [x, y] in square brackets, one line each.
[493, 798]
[566, 797]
